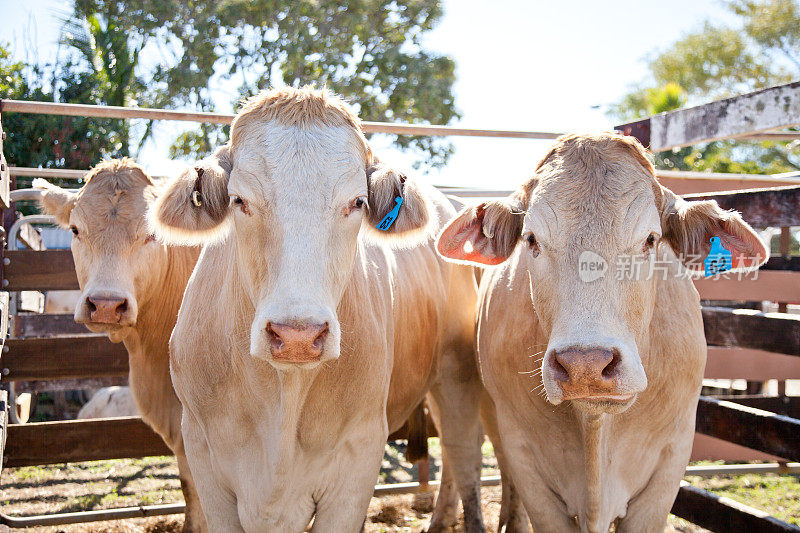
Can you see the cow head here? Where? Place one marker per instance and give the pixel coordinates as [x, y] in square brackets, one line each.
[117, 260]
[291, 192]
[594, 206]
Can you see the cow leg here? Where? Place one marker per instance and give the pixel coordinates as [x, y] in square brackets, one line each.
[344, 506]
[223, 514]
[457, 396]
[194, 521]
[446, 506]
[513, 517]
[648, 511]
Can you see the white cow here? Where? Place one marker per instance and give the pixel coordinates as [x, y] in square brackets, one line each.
[304, 337]
[590, 339]
[110, 402]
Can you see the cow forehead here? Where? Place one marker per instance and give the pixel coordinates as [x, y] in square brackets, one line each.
[592, 205]
[317, 161]
[107, 201]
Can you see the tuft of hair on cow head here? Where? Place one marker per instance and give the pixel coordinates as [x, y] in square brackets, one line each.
[688, 227]
[484, 234]
[193, 208]
[384, 186]
[55, 200]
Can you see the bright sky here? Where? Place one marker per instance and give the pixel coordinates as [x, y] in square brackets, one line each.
[520, 64]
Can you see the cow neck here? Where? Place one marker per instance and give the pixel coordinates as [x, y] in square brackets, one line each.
[147, 345]
[594, 436]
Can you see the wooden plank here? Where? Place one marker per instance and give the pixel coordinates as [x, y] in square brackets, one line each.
[81, 110]
[81, 440]
[700, 185]
[761, 208]
[756, 112]
[79, 356]
[753, 428]
[5, 176]
[705, 448]
[42, 270]
[782, 263]
[773, 285]
[47, 325]
[747, 328]
[721, 514]
[753, 365]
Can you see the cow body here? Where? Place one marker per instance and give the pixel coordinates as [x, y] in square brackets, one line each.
[304, 337]
[590, 334]
[110, 402]
[131, 289]
[596, 468]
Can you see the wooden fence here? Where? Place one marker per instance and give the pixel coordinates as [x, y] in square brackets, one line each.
[768, 425]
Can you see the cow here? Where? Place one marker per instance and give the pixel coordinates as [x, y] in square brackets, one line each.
[131, 288]
[109, 402]
[307, 334]
[594, 369]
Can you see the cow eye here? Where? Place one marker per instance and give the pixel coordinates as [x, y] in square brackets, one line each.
[354, 205]
[533, 243]
[651, 240]
[74, 230]
[149, 238]
[239, 202]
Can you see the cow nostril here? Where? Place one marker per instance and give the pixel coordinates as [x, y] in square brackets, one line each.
[559, 372]
[122, 308]
[90, 306]
[274, 338]
[611, 368]
[319, 340]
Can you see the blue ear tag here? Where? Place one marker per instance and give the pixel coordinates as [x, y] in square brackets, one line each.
[719, 259]
[387, 221]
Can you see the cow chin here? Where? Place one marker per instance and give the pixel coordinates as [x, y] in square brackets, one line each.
[115, 333]
[612, 405]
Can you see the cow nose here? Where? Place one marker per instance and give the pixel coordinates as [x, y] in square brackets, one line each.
[301, 342]
[587, 373]
[106, 310]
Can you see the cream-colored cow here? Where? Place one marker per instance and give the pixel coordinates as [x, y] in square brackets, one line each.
[131, 290]
[306, 335]
[590, 340]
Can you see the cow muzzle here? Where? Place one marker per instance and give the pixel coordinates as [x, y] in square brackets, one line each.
[594, 376]
[295, 338]
[298, 342]
[104, 310]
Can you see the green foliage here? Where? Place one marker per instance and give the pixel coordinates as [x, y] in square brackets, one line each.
[367, 50]
[716, 62]
[51, 141]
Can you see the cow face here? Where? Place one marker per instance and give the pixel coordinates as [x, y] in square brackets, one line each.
[116, 258]
[588, 234]
[292, 192]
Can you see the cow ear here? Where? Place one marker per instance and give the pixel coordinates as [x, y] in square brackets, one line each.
[689, 226]
[484, 234]
[385, 185]
[55, 200]
[193, 209]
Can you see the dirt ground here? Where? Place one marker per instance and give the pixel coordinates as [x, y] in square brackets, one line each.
[153, 480]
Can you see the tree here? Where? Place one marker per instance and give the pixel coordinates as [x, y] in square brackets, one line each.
[717, 62]
[369, 51]
[51, 141]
